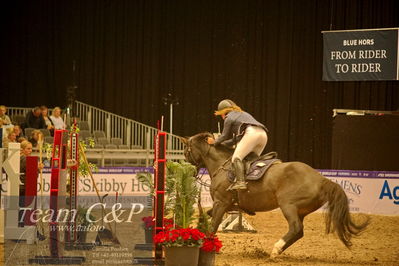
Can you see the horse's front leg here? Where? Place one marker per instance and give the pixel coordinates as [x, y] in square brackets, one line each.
[218, 210]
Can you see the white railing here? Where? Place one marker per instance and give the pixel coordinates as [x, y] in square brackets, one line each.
[134, 134]
[140, 157]
[11, 111]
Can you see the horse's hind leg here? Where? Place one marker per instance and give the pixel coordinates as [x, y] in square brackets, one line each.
[295, 230]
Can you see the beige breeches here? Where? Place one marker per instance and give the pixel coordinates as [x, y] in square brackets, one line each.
[254, 140]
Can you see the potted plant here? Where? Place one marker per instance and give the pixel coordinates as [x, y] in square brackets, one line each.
[181, 192]
[149, 223]
[147, 179]
[182, 243]
[209, 248]
[148, 228]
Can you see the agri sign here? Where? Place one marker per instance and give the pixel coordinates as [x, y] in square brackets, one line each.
[391, 193]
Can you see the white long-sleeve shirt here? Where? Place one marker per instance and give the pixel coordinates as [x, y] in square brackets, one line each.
[58, 122]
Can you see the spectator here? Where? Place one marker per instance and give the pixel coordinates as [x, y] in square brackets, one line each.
[4, 119]
[57, 119]
[22, 139]
[18, 132]
[26, 150]
[46, 118]
[34, 119]
[34, 139]
[10, 138]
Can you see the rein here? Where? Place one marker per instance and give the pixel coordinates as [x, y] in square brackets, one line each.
[199, 176]
[222, 167]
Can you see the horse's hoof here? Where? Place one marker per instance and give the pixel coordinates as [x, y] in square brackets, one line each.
[273, 255]
[277, 249]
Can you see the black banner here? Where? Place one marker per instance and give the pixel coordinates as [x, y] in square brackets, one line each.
[360, 55]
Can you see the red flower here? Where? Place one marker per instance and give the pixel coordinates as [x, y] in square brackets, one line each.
[149, 222]
[180, 237]
[167, 223]
[212, 243]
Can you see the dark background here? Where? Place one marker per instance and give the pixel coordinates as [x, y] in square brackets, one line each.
[366, 142]
[265, 55]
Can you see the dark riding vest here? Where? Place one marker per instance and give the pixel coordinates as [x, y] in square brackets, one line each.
[234, 127]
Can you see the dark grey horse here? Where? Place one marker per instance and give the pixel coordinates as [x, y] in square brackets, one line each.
[295, 187]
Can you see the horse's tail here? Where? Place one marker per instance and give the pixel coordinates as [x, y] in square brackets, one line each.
[338, 218]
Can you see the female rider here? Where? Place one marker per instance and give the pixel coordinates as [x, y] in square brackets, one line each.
[242, 130]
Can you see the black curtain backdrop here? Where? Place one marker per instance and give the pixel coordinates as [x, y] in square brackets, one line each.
[265, 55]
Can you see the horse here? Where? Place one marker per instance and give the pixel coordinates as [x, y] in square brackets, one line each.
[294, 187]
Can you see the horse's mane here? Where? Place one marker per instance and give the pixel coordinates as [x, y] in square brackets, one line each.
[200, 137]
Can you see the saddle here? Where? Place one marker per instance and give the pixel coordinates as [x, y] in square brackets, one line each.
[256, 166]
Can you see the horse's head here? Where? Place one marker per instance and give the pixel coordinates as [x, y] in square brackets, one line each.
[196, 147]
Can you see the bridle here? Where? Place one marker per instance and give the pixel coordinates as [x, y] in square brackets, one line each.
[197, 165]
[190, 156]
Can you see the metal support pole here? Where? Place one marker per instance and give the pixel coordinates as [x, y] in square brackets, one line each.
[89, 118]
[170, 127]
[108, 121]
[129, 133]
[148, 147]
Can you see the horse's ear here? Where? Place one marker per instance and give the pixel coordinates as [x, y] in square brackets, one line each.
[184, 140]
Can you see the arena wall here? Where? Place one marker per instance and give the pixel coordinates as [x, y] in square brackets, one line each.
[372, 192]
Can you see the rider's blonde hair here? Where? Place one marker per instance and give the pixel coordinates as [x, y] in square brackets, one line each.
[229, 109]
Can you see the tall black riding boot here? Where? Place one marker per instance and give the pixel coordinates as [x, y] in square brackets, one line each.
[240, 184]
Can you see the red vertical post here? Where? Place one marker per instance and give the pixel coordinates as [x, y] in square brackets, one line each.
[159, 176]
[58, 168]
[30, 187]
[57, 202]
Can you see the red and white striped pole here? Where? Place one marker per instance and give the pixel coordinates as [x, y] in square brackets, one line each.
[160, 178]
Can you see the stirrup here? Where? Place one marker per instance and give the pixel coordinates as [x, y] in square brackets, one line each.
[239, 185]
